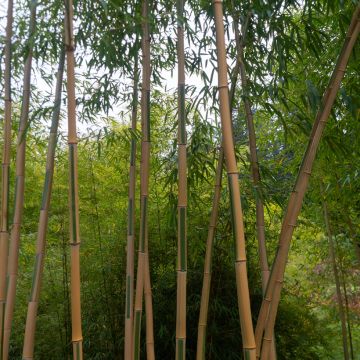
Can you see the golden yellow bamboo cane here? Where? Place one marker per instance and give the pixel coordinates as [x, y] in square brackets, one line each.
[129, 301]
[205, 293]
[4, 219]
[271, 299]
[143, 272]
[77, 338]
[29, 339]
[247, 331]
[182, 193]
[13, 260]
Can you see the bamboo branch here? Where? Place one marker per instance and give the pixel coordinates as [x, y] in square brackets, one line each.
[272, 295]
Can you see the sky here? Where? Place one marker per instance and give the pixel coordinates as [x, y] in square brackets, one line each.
[169, 83]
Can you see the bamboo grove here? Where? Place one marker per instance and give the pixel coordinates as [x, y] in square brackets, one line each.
[143, 62]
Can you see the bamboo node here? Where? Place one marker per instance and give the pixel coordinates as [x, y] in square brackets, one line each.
[72, 243]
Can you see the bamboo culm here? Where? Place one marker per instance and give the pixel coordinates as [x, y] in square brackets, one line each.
[254, 164]
[130, 246]
[182, 193]
[247, 331]
[13, 259]
[272, 296]
[143, 284]
[77, 338]
[30, 327]
[4, 220]
[205, 293]
[337, 281]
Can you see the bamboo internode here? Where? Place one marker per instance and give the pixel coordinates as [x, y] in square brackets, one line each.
[271, 300]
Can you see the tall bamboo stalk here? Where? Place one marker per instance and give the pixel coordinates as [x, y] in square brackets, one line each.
[12, 268]
[29, 340]
[143, 271]
[129, 301]
[232, 171]
[4, 219]
[205, 294]
[346, 309]
[254, 164]
[337, 281]
[182, 192]
[77, 338]
[272, 295]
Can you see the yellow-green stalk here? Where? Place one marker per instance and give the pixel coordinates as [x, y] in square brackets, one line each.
[77, 338]
[30, 327]
[5, 167]
[13, 260]
[182, 192]
[129, 301]
[143, 271]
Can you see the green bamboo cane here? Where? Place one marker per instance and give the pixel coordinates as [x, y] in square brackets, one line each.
[129, 302]
[143, 271]
[12, 270]
[4, 219]
[268, 310]
[205, 294]
[182, 193]
[337, 280]
[247, 331]
[77, 338]
[30, 327]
